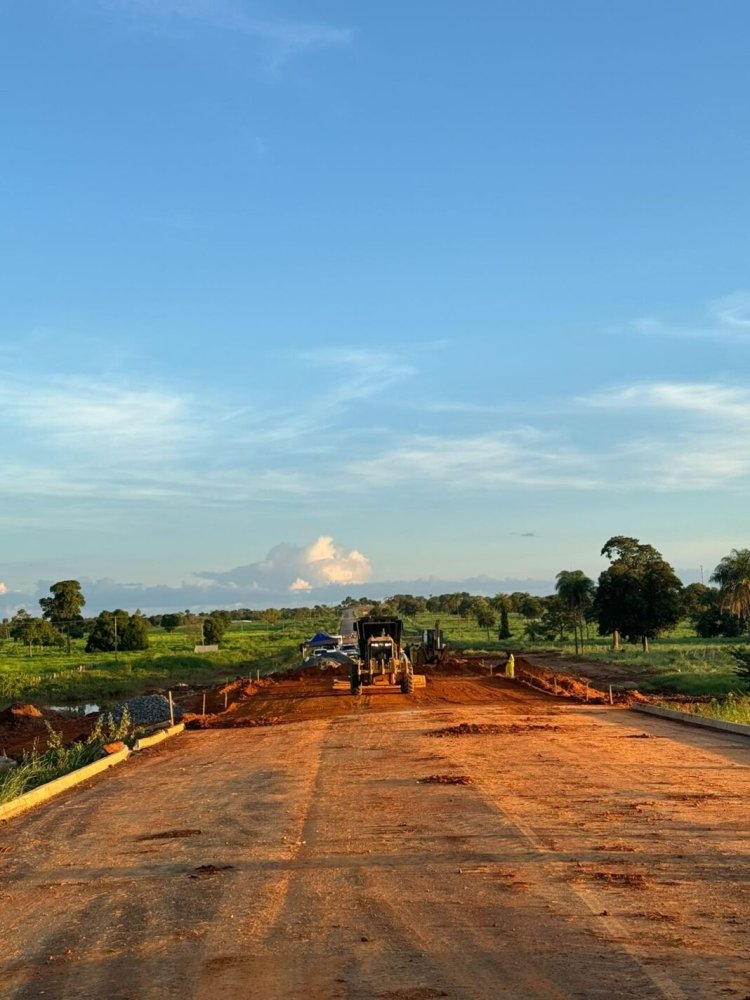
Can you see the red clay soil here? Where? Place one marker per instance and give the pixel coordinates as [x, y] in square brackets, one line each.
[22, 727]
[298, 693]
[308, 692]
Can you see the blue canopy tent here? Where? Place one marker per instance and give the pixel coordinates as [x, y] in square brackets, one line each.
[323, 639]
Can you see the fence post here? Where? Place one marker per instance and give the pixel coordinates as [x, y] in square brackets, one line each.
[171, 710]
[204, 704]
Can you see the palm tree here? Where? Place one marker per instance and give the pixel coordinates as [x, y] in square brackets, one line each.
[576, 590]
[733, 577]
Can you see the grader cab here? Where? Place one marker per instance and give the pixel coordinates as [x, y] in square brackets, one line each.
[382, 663]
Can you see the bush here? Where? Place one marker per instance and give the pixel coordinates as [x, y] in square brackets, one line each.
[741, 657]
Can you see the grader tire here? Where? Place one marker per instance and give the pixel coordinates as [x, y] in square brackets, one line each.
[355, 681]
[407, 684]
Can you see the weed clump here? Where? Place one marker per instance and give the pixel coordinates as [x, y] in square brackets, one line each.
[37, 767]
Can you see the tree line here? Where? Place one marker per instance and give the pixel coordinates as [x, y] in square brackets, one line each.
[636, 599]
[110, 631]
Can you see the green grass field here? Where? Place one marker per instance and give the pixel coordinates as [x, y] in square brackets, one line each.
[52, 676]
[677, 663]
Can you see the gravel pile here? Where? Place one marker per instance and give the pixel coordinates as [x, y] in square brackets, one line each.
[146, 708]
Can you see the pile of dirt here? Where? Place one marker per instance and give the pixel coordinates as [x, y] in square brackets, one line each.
[569, 686]
[226, 720]
[464, 665]
[328, 668]
[446, 779]
[23, 727]
[21, 715]
[469, 729]
[488, 729]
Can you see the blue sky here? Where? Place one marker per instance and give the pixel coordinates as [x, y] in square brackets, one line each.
[463, 288]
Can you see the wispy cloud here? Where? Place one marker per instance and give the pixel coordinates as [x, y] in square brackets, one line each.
[103, 416]
[510, 457]
[726, 318]
[282, 38]
[359, 372]
[693, 441]
[709, 399]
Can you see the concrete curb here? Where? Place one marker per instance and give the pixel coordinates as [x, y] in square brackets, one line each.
[45, 792]
[737, 728]
[150, 741]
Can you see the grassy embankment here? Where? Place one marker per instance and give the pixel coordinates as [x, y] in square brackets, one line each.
[730, 709]
[37, 767]
[52, 676]
[678, 662]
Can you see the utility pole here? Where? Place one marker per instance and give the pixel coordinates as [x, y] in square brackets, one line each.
[115, 617]
[701, 572]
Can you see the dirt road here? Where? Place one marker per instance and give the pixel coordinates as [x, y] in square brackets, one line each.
[594, 853]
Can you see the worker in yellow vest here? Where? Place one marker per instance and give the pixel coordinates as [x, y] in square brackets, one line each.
[510, 666]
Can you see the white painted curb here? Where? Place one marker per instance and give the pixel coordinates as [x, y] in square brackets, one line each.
[150, 741]
[737, 728]
[44, 792]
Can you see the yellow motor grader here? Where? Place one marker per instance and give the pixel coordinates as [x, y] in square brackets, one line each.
[382, 664]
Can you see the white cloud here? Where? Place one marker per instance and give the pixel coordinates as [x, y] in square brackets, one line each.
[727, 318]
[107, 417]
[282, 37]
[299, 568]
[510, 457]
[709, 399]
[3, 588]
[693, 446]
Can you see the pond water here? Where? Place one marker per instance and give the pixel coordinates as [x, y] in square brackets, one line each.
[74, 709]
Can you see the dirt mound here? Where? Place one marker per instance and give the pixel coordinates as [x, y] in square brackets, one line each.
[21, 715]
[570, 686]
[446, 779]
[22, 727]
[463, 665]
[490, 729]
[328, 668]
[229, 721]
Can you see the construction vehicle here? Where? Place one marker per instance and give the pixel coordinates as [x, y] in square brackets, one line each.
[382, 663]
[431, 648]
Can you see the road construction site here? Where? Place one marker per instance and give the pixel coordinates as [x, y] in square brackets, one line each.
[478, 839]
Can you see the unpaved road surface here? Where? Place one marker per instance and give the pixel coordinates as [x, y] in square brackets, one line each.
[595, 853]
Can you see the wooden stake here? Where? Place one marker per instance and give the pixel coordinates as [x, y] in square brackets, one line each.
[171, 710]
[204, 703]
[611, 699]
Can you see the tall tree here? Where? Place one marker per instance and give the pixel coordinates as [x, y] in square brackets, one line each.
[576, 591]
[733, 577]
[485, 615]
[639, 595]
[65, 604]
[63, 609]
